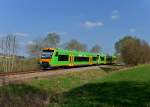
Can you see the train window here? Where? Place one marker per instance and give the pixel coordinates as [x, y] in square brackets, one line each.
[46, 54]
[77, 58]
[48, 50]
[95, 58]
[109, 58]
[56, 54]
[102, 58]
[63, 57]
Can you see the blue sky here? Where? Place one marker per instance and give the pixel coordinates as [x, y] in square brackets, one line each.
[92, 22]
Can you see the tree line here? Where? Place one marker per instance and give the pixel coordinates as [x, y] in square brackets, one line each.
[9, 46]
[129, 50]
[53, 40]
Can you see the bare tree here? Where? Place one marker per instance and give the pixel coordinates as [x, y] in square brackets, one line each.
[96, 48]
[8, 51]
[1, 52]
[51, 40]
[34, 49]
[75, 45]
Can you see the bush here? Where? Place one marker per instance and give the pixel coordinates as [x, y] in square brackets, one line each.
[133, 50]
[27, 65]
[22, 95]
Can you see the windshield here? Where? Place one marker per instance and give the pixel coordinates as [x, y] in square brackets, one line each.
[47, 54]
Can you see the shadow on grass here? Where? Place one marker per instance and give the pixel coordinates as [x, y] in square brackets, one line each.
[111, 68]
[116, 94]
[107, 69]
[109, 94]
[21, 95]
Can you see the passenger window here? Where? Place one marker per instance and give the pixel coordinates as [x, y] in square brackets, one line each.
[102, 58]
[63, 57]
[78, 58]
[95, 58]
[56, 54]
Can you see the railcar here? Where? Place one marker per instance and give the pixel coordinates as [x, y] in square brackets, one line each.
[110, 59]
[54, 57]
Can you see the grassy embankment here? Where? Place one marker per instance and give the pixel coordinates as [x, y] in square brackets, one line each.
[130, 87]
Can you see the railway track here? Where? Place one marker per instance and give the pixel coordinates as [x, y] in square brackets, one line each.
[6, 78]
[3, 74]
[25, 72]
[28, 72]
[15, 73]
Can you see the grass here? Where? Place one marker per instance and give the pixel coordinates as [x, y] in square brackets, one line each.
[70, 80]
[140, 73]
[22, 95]
[93, 88]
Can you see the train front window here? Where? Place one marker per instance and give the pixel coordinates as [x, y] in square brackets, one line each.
[47, 54]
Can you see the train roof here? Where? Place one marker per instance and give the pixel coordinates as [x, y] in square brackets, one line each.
[78, 52]
[71, 51]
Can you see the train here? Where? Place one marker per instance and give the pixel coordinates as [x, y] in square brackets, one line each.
[55, 57]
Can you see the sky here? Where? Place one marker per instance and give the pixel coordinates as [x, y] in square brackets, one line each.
[91, 22]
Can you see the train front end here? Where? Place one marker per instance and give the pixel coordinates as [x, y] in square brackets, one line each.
[46, 57]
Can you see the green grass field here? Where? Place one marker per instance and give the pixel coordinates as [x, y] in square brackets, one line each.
[93, 88]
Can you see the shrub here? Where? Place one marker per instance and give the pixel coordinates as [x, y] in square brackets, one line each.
[133, 51]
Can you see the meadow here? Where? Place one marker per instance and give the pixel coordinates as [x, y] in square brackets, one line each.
[128, 87]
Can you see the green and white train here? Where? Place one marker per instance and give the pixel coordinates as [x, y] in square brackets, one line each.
[53, 57]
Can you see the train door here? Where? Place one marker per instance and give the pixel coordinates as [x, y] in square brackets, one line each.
[71, 60]
[90, 60]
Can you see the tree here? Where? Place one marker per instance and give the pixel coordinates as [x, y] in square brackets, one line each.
[35, 48]
[130, 51]
[51, 40]
[8, 50]
[133, 51]
[119, 43]
[145, 52]
[96, 48]
[75, 45]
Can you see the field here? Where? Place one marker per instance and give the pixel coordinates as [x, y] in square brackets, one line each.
[97, 87]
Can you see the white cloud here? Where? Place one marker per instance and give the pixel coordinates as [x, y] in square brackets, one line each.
[115, 12]
[115, 17]
[30, 43]
[92, 24]
[20, 34]
[132, 30]
[60, 33]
